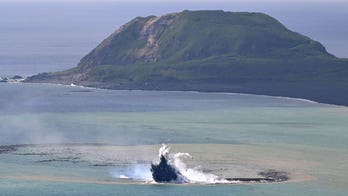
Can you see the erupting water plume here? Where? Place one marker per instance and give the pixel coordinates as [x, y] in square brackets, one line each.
[171, 168]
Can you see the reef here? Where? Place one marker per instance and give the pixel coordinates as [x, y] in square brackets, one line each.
[267, 176]
[167, 170]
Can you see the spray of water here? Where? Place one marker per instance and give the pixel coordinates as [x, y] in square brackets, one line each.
[186, 174]
[175, 160]
[138, 172]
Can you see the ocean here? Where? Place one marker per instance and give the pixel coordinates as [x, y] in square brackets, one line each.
[70, 140]
[84, 141]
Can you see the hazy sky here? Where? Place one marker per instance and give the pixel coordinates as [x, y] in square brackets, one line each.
[173, 1]
[39, 37]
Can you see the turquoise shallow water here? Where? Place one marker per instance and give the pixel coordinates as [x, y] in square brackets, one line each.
[229, 134]
[39, 188]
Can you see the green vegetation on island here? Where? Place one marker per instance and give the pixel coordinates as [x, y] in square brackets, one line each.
[212, 51]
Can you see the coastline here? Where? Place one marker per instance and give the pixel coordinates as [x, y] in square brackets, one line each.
[191, 91]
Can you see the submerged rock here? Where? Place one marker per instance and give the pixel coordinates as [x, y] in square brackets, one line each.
[276, 176]
[267, 176]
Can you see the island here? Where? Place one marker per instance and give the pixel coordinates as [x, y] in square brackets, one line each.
[211, 51]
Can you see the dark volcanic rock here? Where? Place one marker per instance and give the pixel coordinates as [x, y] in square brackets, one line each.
[163, 172]
[268, 176]
[277, 176]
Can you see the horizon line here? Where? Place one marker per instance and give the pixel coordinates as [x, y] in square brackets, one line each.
[174, 1]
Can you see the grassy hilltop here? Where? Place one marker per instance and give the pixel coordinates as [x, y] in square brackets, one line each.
[211, 51]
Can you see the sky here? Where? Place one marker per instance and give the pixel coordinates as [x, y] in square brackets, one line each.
[173, 1]
[43, 37]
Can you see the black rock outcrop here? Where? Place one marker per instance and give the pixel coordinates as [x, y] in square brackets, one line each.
[163, 171]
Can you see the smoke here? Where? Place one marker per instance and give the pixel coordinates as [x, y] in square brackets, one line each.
[29, 129]
[139, 172]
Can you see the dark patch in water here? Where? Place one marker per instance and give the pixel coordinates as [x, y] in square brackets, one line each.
[7, 149]
[34, 154]
[102, 165]
[277, 176]
[81, 91]
[68, 159]
[268, 176]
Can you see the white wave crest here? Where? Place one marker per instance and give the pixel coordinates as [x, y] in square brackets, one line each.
[189, 175]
